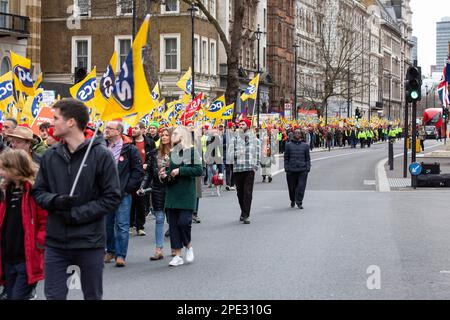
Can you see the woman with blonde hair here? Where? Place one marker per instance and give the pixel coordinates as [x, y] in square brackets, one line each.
[181, 196]
[22, 226]
[158, 160]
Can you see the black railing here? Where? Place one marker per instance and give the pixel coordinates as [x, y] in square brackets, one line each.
[14, 23]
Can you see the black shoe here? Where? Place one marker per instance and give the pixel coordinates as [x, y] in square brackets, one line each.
[292, 204]
[270, 179]
[264, 179]
[3, 295]
[241, 218]
[300, 206]
[246, 221]
[167, 234]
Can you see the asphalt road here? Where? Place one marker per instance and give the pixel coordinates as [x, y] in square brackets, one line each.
[323, 252]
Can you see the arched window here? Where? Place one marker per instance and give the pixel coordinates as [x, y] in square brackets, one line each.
[5, 66]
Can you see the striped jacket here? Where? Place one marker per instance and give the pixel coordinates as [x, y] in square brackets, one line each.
[247, 150]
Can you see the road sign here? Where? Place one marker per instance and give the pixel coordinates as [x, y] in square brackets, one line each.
[415, 169]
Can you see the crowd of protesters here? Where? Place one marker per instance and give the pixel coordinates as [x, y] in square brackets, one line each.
[48, 223]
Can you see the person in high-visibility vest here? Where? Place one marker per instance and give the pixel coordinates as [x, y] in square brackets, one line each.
[362, 137]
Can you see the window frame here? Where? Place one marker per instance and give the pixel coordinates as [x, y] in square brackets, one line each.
[163, 9]
[204, 40]
[75, 3]
[119, 9]
[162, 52]
[117, 39]
[212, 67]
[197, 59]
[74, 57]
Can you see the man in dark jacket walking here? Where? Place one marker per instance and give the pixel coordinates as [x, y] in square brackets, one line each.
[297, 164]
[140, 204]
[131, 173]
[75, 235]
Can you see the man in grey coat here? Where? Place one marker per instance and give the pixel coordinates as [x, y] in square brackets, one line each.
[297, 164]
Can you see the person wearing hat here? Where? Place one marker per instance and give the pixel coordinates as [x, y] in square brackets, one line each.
[153, 132]
[22, 139]
[246, 159]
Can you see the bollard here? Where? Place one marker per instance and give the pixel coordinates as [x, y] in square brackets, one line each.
[391, 154]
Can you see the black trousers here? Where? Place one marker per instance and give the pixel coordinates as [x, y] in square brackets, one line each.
[229, 176]
[297, 184]
[89, 264]
[244, 187]
[180, 225]
[138, 212]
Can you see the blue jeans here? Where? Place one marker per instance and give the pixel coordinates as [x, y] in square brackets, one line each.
[117, 229]
[17, 287]
[159, 228]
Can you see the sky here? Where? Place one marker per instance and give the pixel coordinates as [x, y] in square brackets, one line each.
[425, 15]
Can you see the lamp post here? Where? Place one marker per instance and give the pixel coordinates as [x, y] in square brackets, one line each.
[192, 9]
[295, 81]
[390, 89]
[258, 33]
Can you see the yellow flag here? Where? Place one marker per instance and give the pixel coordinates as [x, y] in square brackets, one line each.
[216, 108]
[32, 106]
[103, 92]
[228, 113]
[84, 91]
[156, 95]
[21, 68]
[185, 82]
[131, 94]
[252, 90]
[6, 91]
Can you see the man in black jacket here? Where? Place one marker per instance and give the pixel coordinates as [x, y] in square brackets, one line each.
[75, 236]
[131, 173]
[297, 164]
[140, 204]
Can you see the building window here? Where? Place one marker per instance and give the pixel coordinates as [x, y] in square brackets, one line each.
[5, 66]
[122, 45]
[204, 56]
[197, 53]
[169, 52]
[170, 6]
[213, 55]
[212, 6]
[84, 6]
[81, 52]
[4, 8]
[264, 58]
[124, 7]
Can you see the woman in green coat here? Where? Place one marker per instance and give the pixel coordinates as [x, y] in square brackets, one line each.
[181, 195]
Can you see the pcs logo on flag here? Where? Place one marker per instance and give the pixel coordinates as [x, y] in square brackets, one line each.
[87, 90]
[107, 83]
[24, 75]
[123, 91]
[6, 90]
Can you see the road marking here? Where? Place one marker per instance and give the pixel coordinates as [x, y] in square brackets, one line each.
[369, 182]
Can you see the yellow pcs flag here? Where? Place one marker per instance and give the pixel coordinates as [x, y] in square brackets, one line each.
[21, 68]
[104, 90]
[32, 106]
[228, 113]
[216, 108]
[6, 91]
[252, 90]
[84, 91]
[185, 83]
[156, 95]
[131, 94]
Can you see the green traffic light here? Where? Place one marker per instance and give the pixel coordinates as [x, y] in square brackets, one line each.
[414, 95]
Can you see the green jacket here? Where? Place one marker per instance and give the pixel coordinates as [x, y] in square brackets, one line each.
[40, 148]
[180, 191]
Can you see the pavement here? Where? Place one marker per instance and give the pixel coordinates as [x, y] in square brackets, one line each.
[394, 180]
[350, 242]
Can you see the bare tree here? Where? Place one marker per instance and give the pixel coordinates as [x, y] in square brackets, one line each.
[232, 46]
[342, 52]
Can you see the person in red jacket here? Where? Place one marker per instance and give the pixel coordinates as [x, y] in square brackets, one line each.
[22, 227]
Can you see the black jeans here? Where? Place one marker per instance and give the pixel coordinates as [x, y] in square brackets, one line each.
[89, 262]
[297, 184]
[17, 287]
[244, 187]
[229, 176]
[180, 225]
[138, 212]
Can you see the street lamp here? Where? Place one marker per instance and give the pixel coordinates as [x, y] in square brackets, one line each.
[192, 9]
[258, 33]
[295, 46]
[390, 88]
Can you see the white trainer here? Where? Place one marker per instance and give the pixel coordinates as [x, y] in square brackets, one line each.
[176, 261]
[189, 255]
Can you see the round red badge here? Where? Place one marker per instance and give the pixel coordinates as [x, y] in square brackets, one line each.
[121, 158]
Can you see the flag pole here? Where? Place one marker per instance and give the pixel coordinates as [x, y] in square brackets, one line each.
[72, 191]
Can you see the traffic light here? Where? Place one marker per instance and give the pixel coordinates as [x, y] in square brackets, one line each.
[357, 114]
[413, 84]
[445, 114]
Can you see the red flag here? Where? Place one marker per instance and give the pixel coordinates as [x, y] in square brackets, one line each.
[192, 108]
